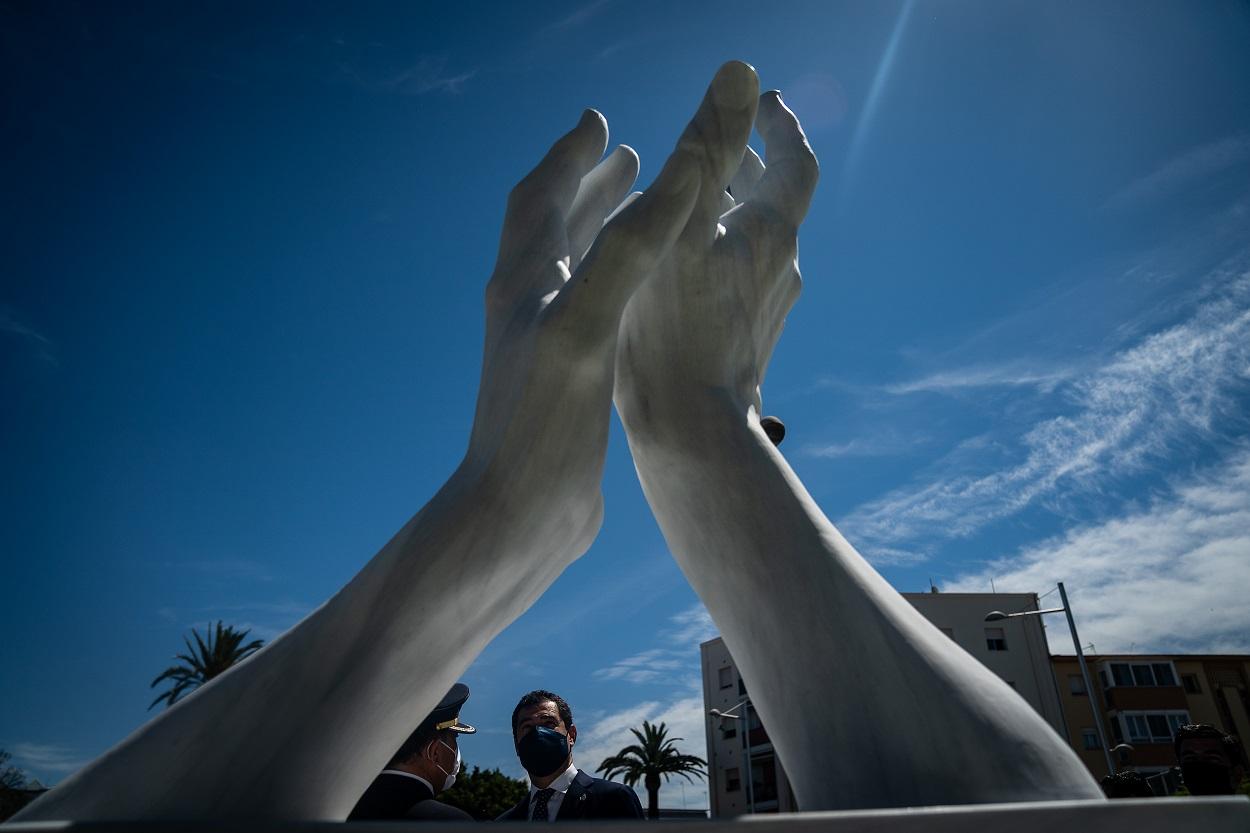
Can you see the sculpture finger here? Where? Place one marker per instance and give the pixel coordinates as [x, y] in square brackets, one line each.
[539, 204]
[742, 186]
[636, 238]
[718, 135]
[788, 182]
[625, 203]
[600, 192]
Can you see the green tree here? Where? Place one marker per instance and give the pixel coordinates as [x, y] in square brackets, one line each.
[653, 757]
[484, 793]
[11, 778]
[13, 793]
[206, 660]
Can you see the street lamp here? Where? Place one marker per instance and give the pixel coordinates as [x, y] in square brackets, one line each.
[996, 615]
[746, 744]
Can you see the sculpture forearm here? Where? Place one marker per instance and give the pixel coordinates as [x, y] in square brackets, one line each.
[299, 729]
[867, 703]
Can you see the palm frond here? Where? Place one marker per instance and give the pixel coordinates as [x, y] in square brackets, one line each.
[212, 654]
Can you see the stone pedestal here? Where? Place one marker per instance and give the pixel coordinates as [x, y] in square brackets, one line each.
[1140, 815]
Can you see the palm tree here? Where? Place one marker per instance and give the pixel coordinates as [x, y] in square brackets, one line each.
[653, 756]
[205, 661]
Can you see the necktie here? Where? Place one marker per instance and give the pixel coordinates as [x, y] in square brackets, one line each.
[540, 803]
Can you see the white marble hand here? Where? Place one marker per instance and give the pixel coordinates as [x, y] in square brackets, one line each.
[552, 311]
[866, 703]
[707, 322]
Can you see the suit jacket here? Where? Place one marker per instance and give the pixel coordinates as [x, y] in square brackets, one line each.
[587, 798]
[393, 796]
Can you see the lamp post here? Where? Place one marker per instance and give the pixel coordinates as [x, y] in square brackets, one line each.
[996, 615]
[746, 745]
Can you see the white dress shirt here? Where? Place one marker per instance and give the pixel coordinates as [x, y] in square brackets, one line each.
[561, 786]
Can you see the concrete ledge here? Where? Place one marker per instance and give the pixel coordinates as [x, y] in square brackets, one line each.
[1141, 815]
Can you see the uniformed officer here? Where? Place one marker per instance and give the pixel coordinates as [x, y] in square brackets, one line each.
[423, 767]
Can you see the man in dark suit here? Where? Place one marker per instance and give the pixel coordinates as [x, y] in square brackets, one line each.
[425, 765]
[544, 736]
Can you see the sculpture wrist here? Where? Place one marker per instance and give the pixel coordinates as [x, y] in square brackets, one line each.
[698, 421]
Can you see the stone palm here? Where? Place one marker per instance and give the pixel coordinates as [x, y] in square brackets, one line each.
[212, 655]
[653, 757]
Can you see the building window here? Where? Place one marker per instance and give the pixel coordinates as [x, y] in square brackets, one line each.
[1152, 727]
[1090, 739]
[742, 688]
[995, 639]
[1076, 685]
[950, 632]
[728, 729]
[1163, 673]
[733, 780]
[764, 779]
[1190, 681]
[1142, 674]
[1138, 729]
[726, 676]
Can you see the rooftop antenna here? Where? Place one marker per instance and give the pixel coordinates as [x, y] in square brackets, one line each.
[992, 588]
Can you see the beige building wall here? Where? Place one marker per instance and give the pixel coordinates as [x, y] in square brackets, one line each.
[1143, 698]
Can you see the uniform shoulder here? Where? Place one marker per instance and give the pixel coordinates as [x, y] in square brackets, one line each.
[432, 808]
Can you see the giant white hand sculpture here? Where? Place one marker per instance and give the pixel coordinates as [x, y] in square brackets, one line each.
[867, 704]
[298, 730]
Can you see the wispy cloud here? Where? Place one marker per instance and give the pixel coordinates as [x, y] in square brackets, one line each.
[1169, 578]
[428, 74]
[227, 568]
[878, 446]
[50, 758]
[885, 556]
[1163, 393]
[577, 17]
[692, 627]
[675, 661]
[645, 667]
[27, 335]
[1011, 374]
[1189, 168]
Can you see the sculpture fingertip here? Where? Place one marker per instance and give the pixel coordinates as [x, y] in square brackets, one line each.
[736, 66]
[735, 86]
[625, 151]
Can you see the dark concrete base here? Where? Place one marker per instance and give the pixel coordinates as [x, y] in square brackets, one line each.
[1141, 815]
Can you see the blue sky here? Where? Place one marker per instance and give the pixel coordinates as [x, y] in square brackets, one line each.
[240, 321]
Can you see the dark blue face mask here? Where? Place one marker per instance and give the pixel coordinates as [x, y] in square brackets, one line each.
[542, 751]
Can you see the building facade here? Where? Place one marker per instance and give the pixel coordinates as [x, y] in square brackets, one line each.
[1014, 649]
[1143, 698]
